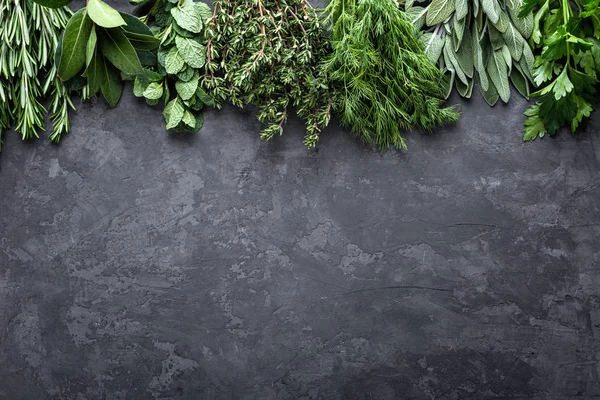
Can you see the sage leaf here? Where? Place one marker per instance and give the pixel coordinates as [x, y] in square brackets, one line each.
[479, 64]
[104, 15]
[450, 58]
[519, 81]
[507, 58]
[464, 90]
[490, 95]
[491, 9]
[497, 71]
[434, 45]
[527, 61]
[90, 47]
[153, 91]
[524, 25]
[74, 42]
[173, 61]
[112, 87]
[514, 41]
[186, 90]
[457, 33]
[462, 8]
[496, 38]
[192, 52]
[417, 16]
[439, 10]
[503, 22]
[118, 50]
[464, 55]
[173, 113]
[188, 17]
[448, 82]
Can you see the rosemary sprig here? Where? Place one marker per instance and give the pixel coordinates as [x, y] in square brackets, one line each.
[29, 36]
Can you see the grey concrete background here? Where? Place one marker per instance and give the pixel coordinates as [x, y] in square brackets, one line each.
[140, 264]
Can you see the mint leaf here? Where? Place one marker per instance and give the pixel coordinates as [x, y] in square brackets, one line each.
[188, 17]
[173, 113]
[173, 61]
[191, 51]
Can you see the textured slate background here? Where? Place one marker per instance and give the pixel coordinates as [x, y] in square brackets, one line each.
[140, 264]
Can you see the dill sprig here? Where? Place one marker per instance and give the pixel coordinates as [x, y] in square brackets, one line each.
[385, 81]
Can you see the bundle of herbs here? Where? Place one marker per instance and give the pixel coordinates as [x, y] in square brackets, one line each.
[181, 61]
[568, 35]
[385, 82]
[267, 53]
[486, 39]
[98, 46]
[29, 35]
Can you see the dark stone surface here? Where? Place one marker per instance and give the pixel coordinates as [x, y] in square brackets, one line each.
[140, 264]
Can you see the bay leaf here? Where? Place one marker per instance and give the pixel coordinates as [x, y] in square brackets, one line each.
[112, 87]
[74, 43]
[118, 50]
[104, 15]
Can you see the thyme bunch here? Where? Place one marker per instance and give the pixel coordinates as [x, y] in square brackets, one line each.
[29, 36]
[267, 53]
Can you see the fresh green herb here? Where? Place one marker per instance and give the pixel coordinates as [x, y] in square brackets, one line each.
[29, 35]
[99, 45]
[567, 69]
[181, 58]
[486, 39]
[267, 53]
[386, 81]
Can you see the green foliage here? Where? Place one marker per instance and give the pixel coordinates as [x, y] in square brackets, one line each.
[98, 45]
[267, 53]
[483, 39]
[29, 34]
[181, 58]
[567, 68]
[386, 82]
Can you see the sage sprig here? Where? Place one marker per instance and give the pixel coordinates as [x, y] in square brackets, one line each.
[181, 59]
[267, 53]
[483, 39]
[385, 81]
[29, 35]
